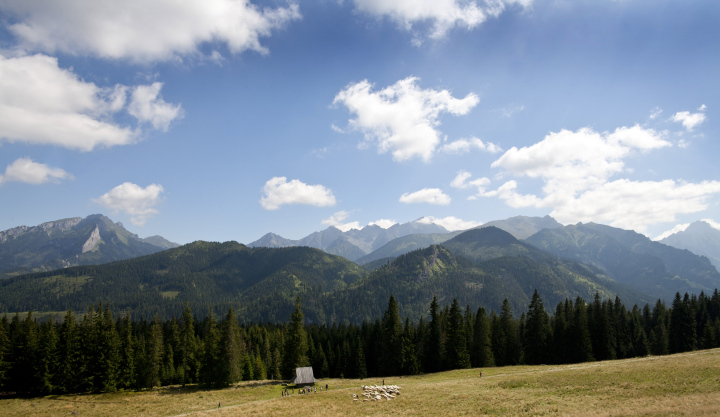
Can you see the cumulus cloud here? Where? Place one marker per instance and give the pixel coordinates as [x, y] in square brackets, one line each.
[133, 200]
[442, 15]
[678, 228]
[30, 172]
[41, 103]
[402, 118]
[146, 106]
[426, 195]
[461, 181]
[279, 191]
[384, 223]
[576, 170]
[450, 223]
[690, 120]
[466, 145]
[337, 220]
[142, 30]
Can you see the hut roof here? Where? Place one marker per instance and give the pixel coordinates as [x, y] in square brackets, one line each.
[303, 376]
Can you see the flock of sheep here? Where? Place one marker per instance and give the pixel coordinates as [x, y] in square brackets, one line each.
[378, 392]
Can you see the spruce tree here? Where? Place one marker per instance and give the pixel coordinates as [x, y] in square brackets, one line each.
[537, 334]
[155, 347]
[434, 347]
[210, 368]
[4, 353]
[512, 349]
[126, 374]
[70, 363]
[46, 363]
[682, 334]
[580, 343]
[481, 355]
[232, 359]
[190, 366]
[296, 347]
[457, 354]
[392, 331]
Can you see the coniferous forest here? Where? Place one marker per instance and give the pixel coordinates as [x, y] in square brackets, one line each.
[98, 352]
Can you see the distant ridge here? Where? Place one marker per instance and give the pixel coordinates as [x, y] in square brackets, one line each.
[519, 226]
[699, 238]
[630, 258]
[95, 239]
[366, 240]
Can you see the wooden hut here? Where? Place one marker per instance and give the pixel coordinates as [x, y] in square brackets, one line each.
[304, 376]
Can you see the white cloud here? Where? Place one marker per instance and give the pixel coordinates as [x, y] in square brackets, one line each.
[133, 200]
[278, 191]
[690, 120]
[712, 223]
[466, 145]
[384, 223]
[337, 220]
[443, 15]
[147, 107]
[142, 30]
[655, 113]
[678, 228]
[30, 172]
[576, 168]
[450, 223]
[426, 195]
[461, 181]
[41, 103]
[402, 118]
[510, 110]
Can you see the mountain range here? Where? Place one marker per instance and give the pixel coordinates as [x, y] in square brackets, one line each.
[699, 238]
[353, 243]
[94, 239]
[480, 267]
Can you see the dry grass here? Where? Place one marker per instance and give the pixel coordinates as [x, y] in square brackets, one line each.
[685, 384]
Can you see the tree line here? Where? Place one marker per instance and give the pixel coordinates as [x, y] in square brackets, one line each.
[98, 353]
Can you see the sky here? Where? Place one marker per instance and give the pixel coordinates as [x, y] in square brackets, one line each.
[224, 120]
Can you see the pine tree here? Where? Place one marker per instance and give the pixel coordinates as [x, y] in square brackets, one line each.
[5, 349]
[70, 363]
[481, 355]
[509, 328]
[210, 368]
[296, 347]
[392, 330]
[434, 347]
[126, 375]
[46, 360]
[190, 366]
[232, 356]
[155, 347]
[537, 334]
[682, 335]
[360, 364]
[579, 335]
[457, 354]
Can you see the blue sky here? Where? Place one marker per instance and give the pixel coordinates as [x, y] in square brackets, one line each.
[224, 120]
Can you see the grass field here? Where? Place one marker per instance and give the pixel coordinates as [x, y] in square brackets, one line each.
[683, 384]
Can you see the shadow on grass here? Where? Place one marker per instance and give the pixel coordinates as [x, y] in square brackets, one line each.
[188, 389]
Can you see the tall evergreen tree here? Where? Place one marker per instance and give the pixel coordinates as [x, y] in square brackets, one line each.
[126, 374]
[579, 335]
[434, 347]
[682, 334]
[210, 369]
[481, 355]
[296, 346]
[190, 365]
[537, 334]
[155, 347]
[392, 333]
[70, 363]
[457, 354]
[233, 355]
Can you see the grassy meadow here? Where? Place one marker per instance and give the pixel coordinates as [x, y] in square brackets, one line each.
[682, 384]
